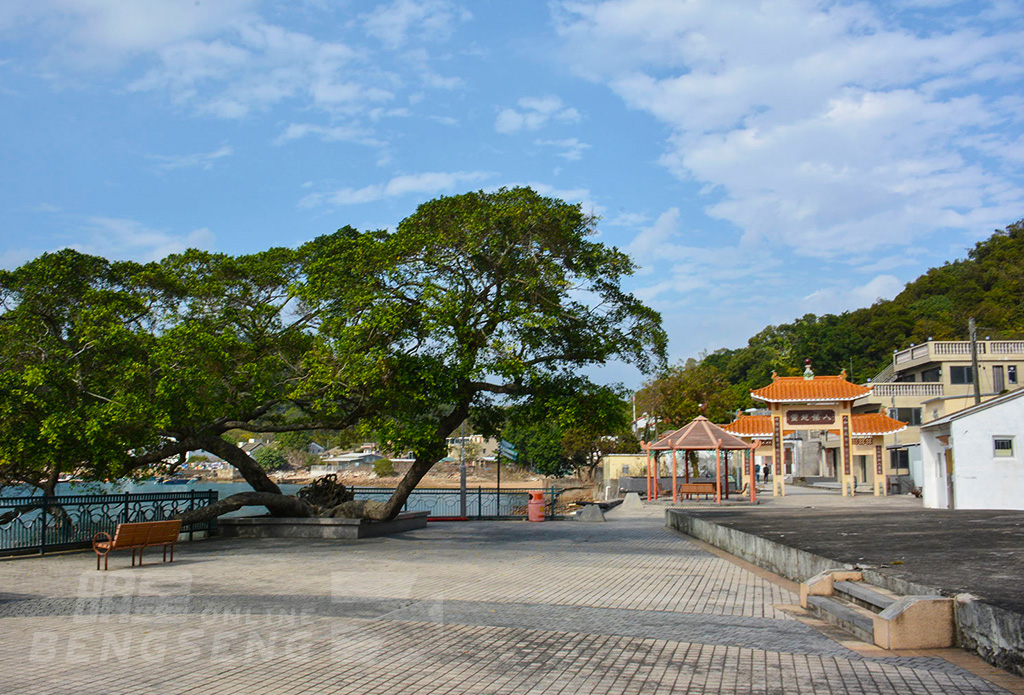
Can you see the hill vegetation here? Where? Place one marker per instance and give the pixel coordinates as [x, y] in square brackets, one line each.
[988, 285]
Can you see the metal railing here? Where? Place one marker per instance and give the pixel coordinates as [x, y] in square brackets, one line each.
[481, 502]
[39, 523]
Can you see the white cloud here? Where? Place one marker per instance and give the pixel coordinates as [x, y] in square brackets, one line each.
[224, 59]
[127, 239]
[571, 148]
[204, 160]
[107, 32]
[427, 183]
[339, 133]
[837, 299]
[534, 113]
[394, 23]
[824, 127]
[569, 195]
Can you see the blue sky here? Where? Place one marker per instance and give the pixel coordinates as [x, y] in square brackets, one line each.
[759, 160]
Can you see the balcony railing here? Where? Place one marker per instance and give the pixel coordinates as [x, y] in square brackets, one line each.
[907, 389]
[958, 347]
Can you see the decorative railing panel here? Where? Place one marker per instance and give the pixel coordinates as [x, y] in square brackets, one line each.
[1007, 347]
[906, 389]
[40, 523]
[481, 502]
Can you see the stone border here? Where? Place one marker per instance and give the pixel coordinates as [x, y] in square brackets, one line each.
[272, 527]
[995, 634]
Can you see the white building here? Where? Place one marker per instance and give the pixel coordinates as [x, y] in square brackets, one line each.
[972, 458]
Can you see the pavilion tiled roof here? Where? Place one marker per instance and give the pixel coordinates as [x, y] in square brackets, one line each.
[699, 435]
[797, 389]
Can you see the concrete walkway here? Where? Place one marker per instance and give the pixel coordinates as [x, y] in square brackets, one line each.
[490, 607]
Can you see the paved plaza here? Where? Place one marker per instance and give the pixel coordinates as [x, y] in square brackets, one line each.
[482, 607]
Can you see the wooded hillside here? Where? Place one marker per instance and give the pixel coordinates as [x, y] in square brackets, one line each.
[988, 285]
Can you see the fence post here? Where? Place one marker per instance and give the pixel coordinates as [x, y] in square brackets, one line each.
[42, 534]
[126, 512]
[479, 502]
[191, 506]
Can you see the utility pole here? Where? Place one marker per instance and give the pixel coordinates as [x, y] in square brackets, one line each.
[975, 377]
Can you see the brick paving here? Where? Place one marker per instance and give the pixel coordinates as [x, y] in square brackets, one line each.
[484, 607]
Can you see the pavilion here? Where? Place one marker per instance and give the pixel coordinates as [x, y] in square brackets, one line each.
[699, 435]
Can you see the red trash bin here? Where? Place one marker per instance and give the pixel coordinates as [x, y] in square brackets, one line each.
[535, 511]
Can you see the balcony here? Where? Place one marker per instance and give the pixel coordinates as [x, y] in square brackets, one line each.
[934, 351]
[897, 389]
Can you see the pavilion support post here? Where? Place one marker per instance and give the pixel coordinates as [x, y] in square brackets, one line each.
[675, 480]
[718, 472]
[648, 450]
[657, 474]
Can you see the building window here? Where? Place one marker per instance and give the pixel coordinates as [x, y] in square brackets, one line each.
[899, 460]
[1011, 373]
[911, 416]
[934, 374]
[960, 375]
[1003, 447]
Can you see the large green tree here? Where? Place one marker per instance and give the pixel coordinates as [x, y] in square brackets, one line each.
[476, 299]
[473, 299]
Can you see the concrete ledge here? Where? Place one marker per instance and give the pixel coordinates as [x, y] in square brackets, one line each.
[995, 634]
[271, 527]
[791, 563]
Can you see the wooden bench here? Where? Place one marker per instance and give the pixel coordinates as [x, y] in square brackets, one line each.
[695, 489]
[137, 537]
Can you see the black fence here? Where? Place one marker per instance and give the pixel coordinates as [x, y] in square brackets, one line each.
[40, 524]
[481, 502]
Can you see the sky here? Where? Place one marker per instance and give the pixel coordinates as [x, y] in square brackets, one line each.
[758, 160]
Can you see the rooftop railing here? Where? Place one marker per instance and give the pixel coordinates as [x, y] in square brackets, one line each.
[945, 348]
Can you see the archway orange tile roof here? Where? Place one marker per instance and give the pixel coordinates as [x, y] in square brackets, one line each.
[861, 425]
[864, 424]
[796, 389]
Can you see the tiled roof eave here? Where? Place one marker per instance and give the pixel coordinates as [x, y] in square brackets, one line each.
[877, 434]
[808, 400]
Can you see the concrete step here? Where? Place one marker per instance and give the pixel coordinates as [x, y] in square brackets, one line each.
[868, 596]
[879, 616]
[854, 619]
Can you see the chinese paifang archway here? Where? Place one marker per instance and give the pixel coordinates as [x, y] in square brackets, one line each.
[819, 403]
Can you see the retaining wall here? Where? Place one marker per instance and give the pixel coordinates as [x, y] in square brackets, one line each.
[995, 634]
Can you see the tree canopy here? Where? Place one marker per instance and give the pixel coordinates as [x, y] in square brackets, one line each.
[474, 300]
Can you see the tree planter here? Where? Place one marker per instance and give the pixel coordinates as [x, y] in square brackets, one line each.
[274, 527]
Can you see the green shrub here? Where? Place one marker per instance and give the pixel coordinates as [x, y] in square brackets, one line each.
[384, 468]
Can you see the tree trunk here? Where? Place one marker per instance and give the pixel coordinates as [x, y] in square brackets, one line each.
[425, 460]
[278, 504]
[250, 470]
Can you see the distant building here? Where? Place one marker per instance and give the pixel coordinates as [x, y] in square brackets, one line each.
[338, 462]
[480, 446]
[928, 381]
[972, 458]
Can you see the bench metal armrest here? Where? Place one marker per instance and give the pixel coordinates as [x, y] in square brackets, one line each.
[96, 540]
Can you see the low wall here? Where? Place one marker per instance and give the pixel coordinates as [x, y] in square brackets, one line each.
[995, 634]
[271, 527]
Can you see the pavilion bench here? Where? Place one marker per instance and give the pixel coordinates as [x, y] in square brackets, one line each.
[695, 489]
[137, 537]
